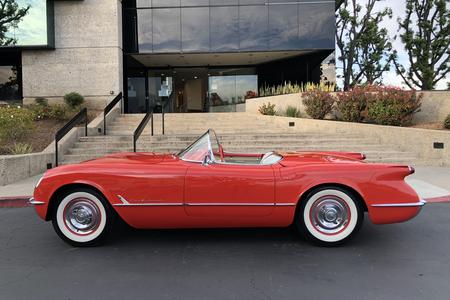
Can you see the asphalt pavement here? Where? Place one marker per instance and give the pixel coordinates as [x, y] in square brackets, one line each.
[401, 261]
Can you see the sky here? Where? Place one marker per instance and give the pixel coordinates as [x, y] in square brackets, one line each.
[32, 30]
[391, 78]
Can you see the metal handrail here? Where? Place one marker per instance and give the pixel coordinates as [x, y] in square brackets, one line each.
[81, 116]
[108, 108]
[141, 127]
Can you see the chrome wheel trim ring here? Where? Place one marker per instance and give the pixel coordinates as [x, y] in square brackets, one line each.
[82, 216]
[71, 234]
[340, 235]
[330, 214]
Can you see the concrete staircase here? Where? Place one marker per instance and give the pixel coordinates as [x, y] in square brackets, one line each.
[238, 132]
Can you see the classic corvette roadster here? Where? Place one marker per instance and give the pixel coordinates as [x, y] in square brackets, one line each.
[323, 194]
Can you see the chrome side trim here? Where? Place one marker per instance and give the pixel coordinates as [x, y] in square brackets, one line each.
[420, 204]
[35, 202]
[149, 204]
[230, 204]
[126, 203]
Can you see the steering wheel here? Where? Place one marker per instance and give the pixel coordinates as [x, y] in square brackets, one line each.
[222, 154]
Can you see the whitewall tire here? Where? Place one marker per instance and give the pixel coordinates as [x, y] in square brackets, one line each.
[330, 216]
[82, 217]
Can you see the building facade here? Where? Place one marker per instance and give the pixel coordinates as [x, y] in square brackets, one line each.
[183, 55]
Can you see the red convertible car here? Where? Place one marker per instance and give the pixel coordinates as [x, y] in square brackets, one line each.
[324, 194]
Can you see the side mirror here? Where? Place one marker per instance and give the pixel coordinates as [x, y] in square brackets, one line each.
[206, 160]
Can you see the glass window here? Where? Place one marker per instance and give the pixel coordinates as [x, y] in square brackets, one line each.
[224, 28]
[166, 3]
[136, 95]
[283, 27]
[9, 86]
[253, 27]
[246, 87]
[143, 3]
[316, 25]
[232, 89]
[253, 1]
[222, 90]
[145, 30]
[166, 30]
[195, 29]
[194, 2]
[223, 2]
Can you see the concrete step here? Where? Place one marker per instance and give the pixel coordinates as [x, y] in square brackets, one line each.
[232, 143]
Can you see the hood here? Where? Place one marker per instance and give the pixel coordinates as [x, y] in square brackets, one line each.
[295, 158]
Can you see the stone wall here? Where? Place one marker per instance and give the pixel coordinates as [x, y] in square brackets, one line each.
[435, 105]
[87, 57]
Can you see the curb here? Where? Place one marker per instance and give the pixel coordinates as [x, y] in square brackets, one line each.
[443, 199]
[14, 202]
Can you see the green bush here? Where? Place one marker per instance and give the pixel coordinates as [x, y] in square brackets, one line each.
[318, 103]
[352, 104]
[267, 109]
[292, 112]
[73, 100]
[21, 148]
[56, 112]
[447, 122]
[41, 101]
[393, 106]
[15, 122]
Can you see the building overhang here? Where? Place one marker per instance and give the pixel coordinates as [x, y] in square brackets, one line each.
[215, 59]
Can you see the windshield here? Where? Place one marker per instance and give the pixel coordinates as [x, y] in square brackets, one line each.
[198, 150]
[207, 144]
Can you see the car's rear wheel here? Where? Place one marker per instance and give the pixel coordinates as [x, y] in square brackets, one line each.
[82, 217]
[330, 216]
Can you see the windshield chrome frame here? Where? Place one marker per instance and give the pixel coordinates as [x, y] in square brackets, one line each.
[211, 153]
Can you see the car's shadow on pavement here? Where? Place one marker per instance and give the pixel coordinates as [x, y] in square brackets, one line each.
[127, 237]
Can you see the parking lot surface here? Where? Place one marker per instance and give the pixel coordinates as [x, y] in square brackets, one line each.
[401, 261]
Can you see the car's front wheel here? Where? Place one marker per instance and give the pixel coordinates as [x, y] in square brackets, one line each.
[330, 216]
[82, 218]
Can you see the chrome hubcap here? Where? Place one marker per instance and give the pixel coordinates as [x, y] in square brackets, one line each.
[82, 216]
[330, 215]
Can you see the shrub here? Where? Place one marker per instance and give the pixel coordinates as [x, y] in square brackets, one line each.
[292, 112]
[41, 101]
[20, 148]
[267, 109]
[291, 88]
[73, 99]
[352, 104]
[15, 122]
[447, 122]
[251, 94]
[393, 106]
[318, 103]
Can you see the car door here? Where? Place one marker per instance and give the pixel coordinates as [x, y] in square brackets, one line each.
[229, 190]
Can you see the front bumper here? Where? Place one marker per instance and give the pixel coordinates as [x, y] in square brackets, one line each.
[32, 201]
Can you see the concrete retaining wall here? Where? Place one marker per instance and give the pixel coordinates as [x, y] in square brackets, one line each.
[435, 105]
[17, 167]
[420, 141]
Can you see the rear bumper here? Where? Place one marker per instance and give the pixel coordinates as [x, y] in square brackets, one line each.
[414, 204]
[388, 213]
